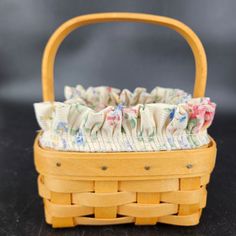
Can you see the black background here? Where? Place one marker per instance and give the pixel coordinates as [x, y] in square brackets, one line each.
[124, 55]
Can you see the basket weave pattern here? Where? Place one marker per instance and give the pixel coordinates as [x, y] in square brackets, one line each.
[82, 188]
[78, 191]
[176, 201]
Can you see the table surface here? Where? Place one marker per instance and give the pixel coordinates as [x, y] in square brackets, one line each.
[21, 209]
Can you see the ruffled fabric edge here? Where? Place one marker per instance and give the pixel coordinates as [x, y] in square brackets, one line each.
[98, 98]
[148, 127]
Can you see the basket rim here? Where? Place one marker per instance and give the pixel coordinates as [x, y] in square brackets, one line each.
[125, 165]
[76, 154]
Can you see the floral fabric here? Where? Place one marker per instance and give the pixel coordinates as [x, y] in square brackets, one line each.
[98, 98]
[104, 119]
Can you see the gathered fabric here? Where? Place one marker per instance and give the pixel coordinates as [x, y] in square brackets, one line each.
[105, 119]
[99, 98]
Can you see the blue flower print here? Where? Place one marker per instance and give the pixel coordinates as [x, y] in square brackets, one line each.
[118, 109]
[64, 143]
[62, 127]
[79, 138]
[182, 119]
[172, 114]
[128, 145]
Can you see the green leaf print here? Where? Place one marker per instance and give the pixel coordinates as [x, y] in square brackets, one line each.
[122, 130]
[132, 123]
[126, 116]
[151, 136]
[87, 130]
[140, 136]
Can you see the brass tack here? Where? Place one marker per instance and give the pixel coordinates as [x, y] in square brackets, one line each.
[58, 164]
[189, 166]
[147, 167]
[104, 167]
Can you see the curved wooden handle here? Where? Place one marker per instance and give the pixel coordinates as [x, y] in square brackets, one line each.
[66, 28]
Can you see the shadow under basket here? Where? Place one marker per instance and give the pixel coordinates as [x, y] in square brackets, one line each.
[144, 188]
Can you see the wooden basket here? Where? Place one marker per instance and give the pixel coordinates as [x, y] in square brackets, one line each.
[115, 188]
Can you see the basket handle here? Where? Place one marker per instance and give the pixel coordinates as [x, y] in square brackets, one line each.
[66, 28]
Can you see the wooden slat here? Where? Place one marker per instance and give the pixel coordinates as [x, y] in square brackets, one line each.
[106, 187]
[104, 199]
[163, 163]
[204, 198]
[148, 198]
[68, 211]
[147, 210]
[183, 197]
[99, 221]
[60, 220]
[43, 191]
[67, 186]
[189, 184]
[186, 220]
[164, 185]
[205, 179]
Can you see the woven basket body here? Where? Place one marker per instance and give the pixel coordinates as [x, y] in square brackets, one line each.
[115, 188]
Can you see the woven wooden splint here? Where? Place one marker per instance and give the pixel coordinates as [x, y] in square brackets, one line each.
[82, 188]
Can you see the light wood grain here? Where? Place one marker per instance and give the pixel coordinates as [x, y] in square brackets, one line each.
[64, 30]
[163, 163]
[116, 188]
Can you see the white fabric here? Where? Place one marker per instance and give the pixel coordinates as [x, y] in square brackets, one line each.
[104, 119]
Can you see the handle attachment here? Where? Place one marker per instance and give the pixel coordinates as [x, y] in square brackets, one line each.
[65, 29]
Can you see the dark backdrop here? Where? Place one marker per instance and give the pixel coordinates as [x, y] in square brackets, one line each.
[121, 55]
[117, 54]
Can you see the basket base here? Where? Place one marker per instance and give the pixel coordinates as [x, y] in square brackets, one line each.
[180, 207]
[191, 220]
[140, 188]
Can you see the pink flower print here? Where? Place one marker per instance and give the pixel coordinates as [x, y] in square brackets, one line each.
[201, 115]
[114, 116]
[131, 111]
[113, 119]
[197, 111]
[196, 119]
[109, 89]
[209, 116]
